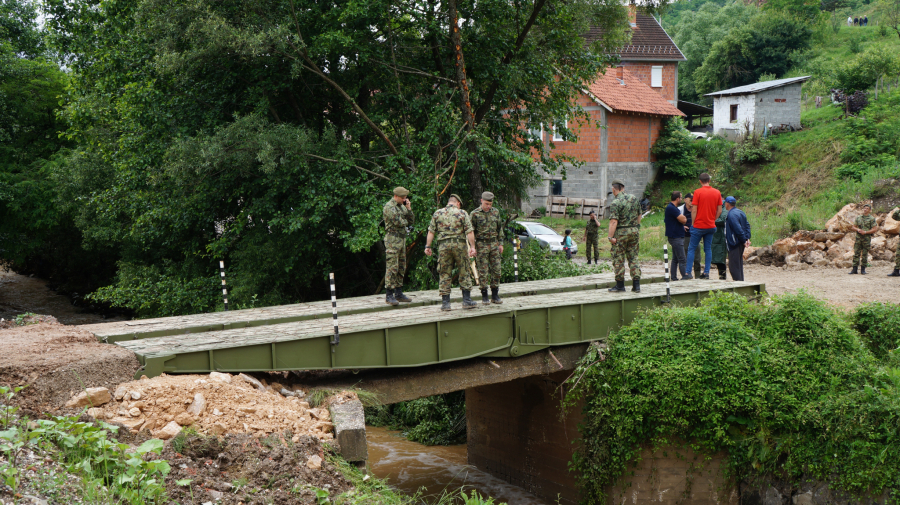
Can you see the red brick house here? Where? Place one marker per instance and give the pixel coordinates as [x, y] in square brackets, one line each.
[631, 102]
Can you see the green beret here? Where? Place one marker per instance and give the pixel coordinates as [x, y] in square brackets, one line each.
[487, 195]
[617, 181]
[400, 191]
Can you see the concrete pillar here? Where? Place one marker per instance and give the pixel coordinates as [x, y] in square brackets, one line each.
[516, 432]
[350, 430]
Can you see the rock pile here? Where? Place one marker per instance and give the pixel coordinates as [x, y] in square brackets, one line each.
[216, 404]
[831, 247]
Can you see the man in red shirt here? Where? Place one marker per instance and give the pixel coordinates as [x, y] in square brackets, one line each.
[705, 209]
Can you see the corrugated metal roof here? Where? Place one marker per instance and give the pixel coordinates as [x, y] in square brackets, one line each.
[759, 86]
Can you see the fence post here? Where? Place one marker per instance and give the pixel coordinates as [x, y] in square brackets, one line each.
[516, 257]
[337, 335]
[666, 260]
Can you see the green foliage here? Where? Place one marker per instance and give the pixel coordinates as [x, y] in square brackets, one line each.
[536, 263]
[674, 149]
[877, 323]
[855, 45]
[786, 387]
[874, 138]
[769, 44]
[542, 211]
[155, 291]
[435, 420]
[753, 148]
[861, 72]
[857, 170]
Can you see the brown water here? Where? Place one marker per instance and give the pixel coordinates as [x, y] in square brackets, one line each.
[20, 294]
[409, 466]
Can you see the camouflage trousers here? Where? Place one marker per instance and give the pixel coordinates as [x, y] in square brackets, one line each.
[897, 259]
[395, 259]
[627, 247]
[488, 262]
[454, 254]
[861, 250]
[592, 241]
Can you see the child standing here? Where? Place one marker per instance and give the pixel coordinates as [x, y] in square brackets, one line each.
[567, 245]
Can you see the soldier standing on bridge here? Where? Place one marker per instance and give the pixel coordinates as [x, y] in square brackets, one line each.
[488, 243]
[398, 215]
[454, 232]
[896, 272]
[864, 227]
[625, 235]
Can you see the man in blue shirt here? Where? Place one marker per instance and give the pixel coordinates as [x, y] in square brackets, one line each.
[737, 236]
[675, 227]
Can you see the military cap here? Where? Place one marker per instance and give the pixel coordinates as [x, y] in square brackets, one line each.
[617, 181]
[454, 195]
[487, 195]
[867, 205]
[400, 191]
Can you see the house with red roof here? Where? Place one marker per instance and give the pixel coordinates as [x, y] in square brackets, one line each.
[630, 102]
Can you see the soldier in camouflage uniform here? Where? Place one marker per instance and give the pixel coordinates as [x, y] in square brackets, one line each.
[453, 229]
[625, 234]
[398, 215]
[489, 245]
[896, 272]
[865, 227]
[592, 237]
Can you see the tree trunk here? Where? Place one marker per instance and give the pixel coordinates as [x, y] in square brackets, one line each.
[466, 106]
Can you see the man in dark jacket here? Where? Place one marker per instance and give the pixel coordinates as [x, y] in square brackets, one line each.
[720, 247]
[737, 236]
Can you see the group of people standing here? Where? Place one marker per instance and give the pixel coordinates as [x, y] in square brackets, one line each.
[458, 235]
[704, 216]
[852, 21]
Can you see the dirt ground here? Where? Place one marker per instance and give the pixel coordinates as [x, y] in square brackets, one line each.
[832, 284]
[56, 361]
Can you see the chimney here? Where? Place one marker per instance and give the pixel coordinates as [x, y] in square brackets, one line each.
[620, 74]
[632, 15]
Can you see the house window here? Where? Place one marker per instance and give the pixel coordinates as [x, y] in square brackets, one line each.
[733, 113]
[538, 133]
[557, 135]
[556, 187]
[656, 77]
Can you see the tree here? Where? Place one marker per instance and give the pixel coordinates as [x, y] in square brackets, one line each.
[270, 134]
[890, 12]
[862, 72]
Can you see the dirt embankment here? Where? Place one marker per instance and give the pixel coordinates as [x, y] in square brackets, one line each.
[56, 361]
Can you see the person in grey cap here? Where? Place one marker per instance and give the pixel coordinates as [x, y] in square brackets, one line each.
[488, 228]
[625, 236]
[398, 217]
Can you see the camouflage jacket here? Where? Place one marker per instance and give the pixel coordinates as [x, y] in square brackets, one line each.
[896, 215]
[626, 210]
[397, 217]
[488, 226]
[865, 223]
[591, 230]
[450, 223]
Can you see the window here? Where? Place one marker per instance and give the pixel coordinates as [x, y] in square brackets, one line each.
[557, 136]
[656, 77]
[538, 133]
[556, 187]
[734, 113]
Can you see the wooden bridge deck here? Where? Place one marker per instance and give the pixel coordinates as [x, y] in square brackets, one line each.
[414, 336]
[218, 321]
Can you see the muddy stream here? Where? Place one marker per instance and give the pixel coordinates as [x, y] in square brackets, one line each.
[408, 466]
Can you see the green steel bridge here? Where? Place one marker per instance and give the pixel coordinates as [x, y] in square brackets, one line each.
[534, 316]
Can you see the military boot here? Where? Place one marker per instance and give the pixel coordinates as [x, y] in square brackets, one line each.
[445, 302]
[400, 297]
[484, 297]
[635, 286]
[389, 298]
[853, 272]
[495, 296]
[862, 270]
[620, 286]
[467, 300]
[589, 261]
[895, 273]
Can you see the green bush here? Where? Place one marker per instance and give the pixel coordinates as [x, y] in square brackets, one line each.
[752, 149]
[151, 292]
[536, 263]
[435, 420]
[786, 387]
[879, 325]
[857, 170]
[674, 149]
